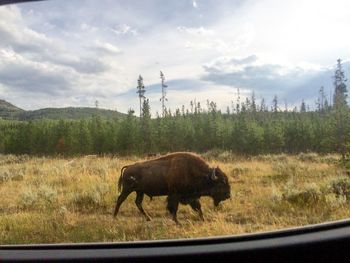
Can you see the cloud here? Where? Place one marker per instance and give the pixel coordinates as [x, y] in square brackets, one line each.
[200, 31]
[229, 64]
[267, 79]
[38, 47]
[14, 32]
[243, 61]
[202, 47]
[32, 62]
[85, 65]
[124, 29]
[89, 28]
[22, 75]
[107, 48]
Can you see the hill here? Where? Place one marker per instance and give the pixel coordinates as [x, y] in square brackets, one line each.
[11, 112]
[8, 110]
[70, 113]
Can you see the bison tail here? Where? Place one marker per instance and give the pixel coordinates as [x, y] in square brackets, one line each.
[121, 178]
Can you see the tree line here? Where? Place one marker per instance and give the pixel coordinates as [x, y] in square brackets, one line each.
[248, 129]
[243, 133]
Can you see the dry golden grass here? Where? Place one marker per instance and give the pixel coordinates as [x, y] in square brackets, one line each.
[58, 200]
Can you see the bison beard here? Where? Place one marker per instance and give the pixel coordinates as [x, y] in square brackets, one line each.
[183, 177]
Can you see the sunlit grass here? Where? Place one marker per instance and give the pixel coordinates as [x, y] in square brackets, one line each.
[55, 200]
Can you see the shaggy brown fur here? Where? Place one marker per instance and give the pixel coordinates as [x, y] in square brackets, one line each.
[183, 176]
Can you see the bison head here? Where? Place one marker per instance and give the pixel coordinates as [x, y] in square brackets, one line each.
[220, 189]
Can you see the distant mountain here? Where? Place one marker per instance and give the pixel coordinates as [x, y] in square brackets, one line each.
[8, 110]
[11, 112]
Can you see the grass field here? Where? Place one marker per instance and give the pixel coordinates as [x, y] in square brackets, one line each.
[60, 200]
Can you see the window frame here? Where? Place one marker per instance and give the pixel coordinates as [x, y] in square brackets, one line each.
[316, 243]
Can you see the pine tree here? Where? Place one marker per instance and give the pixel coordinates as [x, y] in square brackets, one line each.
[183, 110]
[302, 106]
[96, 128]
[141, 91]
[340, 113]
[84, 138]
[275, 104]
[127, 134]
[238, 103]
[228, 110]
[340, 118]
[145, 131]
[322, 100]
[340, 91]
[163, 98]
[253, 103]
[263, 105]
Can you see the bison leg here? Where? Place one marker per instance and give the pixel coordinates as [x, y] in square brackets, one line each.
[120, 200]
[173, 204]
[138, 202]
[196, 206]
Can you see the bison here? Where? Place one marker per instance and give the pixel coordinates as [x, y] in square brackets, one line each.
[184, 177]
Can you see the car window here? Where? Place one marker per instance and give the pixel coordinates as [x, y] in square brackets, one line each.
[147, 120]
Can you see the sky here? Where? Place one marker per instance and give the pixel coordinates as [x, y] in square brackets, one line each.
[75, 52]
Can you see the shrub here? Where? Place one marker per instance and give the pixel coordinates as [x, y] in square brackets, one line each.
[334, 200]
[211, 154]
[102, 189]
[308, 157]
[330, 159]
[12, 173]
[225, 156]
[92, 197]
[347, 163]
[86, 200]
[341, 186]
[47, 194]
[272, 158]
[12, 159]
[239, 171]
[98, 170]
[28, 199]
[288, 169]
[41, 198]
[4, 175]
[307, 195]
[276, 195]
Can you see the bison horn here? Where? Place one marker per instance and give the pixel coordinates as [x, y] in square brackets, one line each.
[213, 175]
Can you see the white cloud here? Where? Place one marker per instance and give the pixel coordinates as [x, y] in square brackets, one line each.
[86, 27]
[201, 31]
[49, 71]
[38, 47]
[20, 74]
[11, 13]
[15, 33]
[227, 64]
[297, 30]
[124, 29]
[291, 83]
[107, 47]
